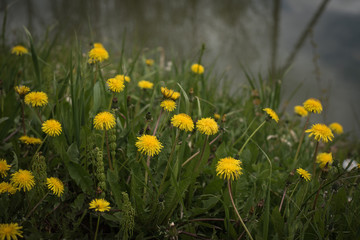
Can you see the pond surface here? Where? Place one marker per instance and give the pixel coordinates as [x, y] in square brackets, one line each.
[234, 31]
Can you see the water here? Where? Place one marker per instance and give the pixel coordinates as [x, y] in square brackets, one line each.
[234, 31]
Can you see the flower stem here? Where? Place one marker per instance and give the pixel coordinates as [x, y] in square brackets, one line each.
[282, 199]
[39, 114]
[315, 153]
[32, 210]
[201, 154]
[108, 150]
[23, 116]
[157, 122]
[97, 227]
[236, 211]
[249, 138]
[300, 142]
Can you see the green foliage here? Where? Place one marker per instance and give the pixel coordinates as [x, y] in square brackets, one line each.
[175, 194]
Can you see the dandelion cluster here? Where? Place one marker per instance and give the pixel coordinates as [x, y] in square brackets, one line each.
[99, 205]
[22, 90]
[304, 174]
[197, 68]
[336, 128]
[4, 167]
[10, 231]
[183, 122]
[145, 84]
[313, 105]
[149, 145]
[98, 54]
[115, 84]
[169, 93]
[30, 140]
[104, 120]
[23, 179]
[123, 78]
[272, 114]
[301, 111]
[207, 126]
[55, 185]
[6, 187]
[36, 99]
[324, 160]
[52, 127]
[320, 132]
[168, 105]
[229, 168]
[19, 50]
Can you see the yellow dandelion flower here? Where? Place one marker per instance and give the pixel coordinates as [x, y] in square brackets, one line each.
[207, 126]
[19, 50]
[100, 205]
[98, 54]
[229, 168]
[149, 145]
[197, 68]
[36, 99]
[149, 62]
[271, 114]
[145, 84]
[30, 140]
[320, 132]
[98, 45]
[313, 105]
[4, 167]
[324, 160]
[169, 93]
[217, 116]
[336, 128]
[123, 78]
[55, 185]
[22, 90]
[104, 120]
[7, 188]
[168, 105]
[10, 231]
[304, 174]
[115, 84]
[183, 122]
[23, 179]
[301, 111]
[52, 127]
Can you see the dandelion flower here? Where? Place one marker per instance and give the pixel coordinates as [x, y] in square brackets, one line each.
[123, 78]
[145, 84]
[272, 114]
[7, 188]
[23, 179]
[98, 45]
[98, 54]
[4, 167]
[197, 68]
[320, 132]
[183, 122]
[115, 84]
[149, 62]
[228, 168]
[55, 185]
[10, 231]
[149, 145]
[19, 50]
[169, 93]
[36, 99]
[22, 90]
[304, 174]
[168, 105]
[313, 105]
[30, 140]
[300, 110]
[52, 127]
[217, 116]
[207, 126]
[336, 128]
[100, 205]
[324, 159]
[104, 120]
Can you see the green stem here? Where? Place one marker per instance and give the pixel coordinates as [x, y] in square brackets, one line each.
[300, 141]
[247, 129]
[314, 159]
[97, 227]
[23, 116]
[292, 193]
[38, 149]
[32, 210]
[249, 138]
[201, 154]
[236, 211]
[108, 150]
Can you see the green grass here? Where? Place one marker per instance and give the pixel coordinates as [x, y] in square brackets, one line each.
[190, 201]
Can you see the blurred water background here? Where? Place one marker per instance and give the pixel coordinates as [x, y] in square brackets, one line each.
[318, 40]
